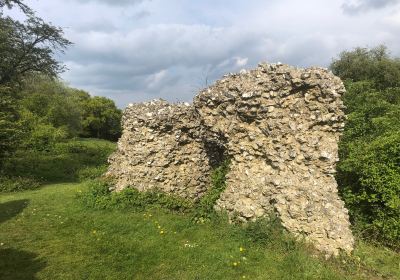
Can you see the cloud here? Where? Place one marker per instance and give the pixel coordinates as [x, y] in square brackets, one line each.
[113, 2]
[359, 6]
[133, 51]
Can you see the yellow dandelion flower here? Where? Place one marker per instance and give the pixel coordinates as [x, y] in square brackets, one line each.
[159, 227]
[241, 249]
[235, 264]
[94, 231]
[150, 215]
[243, 276]
[162, 232]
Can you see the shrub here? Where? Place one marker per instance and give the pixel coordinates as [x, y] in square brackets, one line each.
[63, 162]
[370, 185]
[15, 184]
[204, 209]
[99, 196]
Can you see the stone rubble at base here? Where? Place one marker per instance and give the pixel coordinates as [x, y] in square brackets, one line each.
[279, 125]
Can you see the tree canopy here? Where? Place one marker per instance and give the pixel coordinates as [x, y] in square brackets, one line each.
[363, 64]
[29, 47]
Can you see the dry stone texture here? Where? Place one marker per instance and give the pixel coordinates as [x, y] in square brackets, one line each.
[280, 127]
[161, 148]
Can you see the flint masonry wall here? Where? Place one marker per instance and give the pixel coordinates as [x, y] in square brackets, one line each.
[161, 148]
[279, 125]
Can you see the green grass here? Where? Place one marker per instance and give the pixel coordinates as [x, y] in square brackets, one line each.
[48, 234]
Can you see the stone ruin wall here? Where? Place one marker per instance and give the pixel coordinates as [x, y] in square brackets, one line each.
[279, 125]
[161, 148]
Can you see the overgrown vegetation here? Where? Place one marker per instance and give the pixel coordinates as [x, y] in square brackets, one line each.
[65, 161]
[369, 167]
[99, 196]
[204, 209]
[40, 117]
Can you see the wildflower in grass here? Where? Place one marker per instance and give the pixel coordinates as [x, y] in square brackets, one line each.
[1, 244]
[244, 276]
[94, 231]
[241, 249]
[161, 232]
[150, 215]
[235, 264]
[159, 227]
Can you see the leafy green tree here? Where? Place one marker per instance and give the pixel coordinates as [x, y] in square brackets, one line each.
[369, 150]
[363, 64]
[29, 47]
[101, 118]
[53, 103]
[25, 49]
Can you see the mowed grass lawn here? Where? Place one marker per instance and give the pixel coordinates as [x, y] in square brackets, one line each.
[48, 234]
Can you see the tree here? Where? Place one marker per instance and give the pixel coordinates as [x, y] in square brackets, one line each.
[10, 3]
[369, 150]
[53, 103]
[25, 49]
[101, 118]
[363, 64]
[29, 47]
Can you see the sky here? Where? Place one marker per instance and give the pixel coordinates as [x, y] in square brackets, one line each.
[138, 50]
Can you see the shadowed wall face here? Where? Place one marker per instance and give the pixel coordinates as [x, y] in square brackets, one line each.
[278, 124]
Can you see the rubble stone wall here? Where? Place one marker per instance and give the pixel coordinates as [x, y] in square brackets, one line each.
[279, 125]
[161, 148]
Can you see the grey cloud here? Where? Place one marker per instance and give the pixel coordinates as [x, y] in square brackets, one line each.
[176, 61]
[352, 8]
[102, 26]
[113, 2]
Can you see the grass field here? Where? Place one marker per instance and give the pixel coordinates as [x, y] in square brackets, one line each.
[48, 234]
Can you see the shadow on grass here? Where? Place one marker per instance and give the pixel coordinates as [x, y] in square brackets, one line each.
[19, 265]
[11, 209]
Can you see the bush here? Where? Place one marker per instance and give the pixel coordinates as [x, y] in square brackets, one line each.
[204, 209]
[15, 184]
[370, 185]
[99, 196]
[63, 162]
